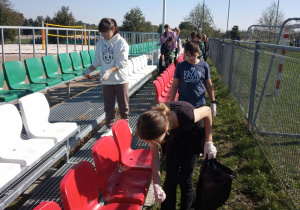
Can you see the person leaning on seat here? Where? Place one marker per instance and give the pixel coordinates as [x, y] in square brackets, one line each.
[112, 55]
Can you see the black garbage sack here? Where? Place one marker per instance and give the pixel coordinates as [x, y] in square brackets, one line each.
[214, 185]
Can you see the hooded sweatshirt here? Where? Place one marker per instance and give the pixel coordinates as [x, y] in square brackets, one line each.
[113, 52]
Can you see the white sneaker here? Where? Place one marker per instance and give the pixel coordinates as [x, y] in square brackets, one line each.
[107, 132]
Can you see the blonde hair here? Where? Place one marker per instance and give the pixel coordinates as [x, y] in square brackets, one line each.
[161, 107]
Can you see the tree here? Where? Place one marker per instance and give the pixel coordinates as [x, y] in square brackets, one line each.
[64, 17]
[9, 17]
[268, 16]
[134, 20]
[234, 33]
[185, 29]
[197, 17]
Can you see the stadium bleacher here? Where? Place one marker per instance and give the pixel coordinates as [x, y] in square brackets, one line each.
[58, 113]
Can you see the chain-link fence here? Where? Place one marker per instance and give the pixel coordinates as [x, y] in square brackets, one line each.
[265, 80]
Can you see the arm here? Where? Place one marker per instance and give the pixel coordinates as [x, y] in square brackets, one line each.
[210, 89]
[204, 113]
[121, 61]
[97, 62]
[155, 164]
[174, 88]
[160, 195]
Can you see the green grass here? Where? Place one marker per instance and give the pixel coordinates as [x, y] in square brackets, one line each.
[256, 185]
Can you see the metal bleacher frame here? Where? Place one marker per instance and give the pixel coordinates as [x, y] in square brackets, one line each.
[87, 111]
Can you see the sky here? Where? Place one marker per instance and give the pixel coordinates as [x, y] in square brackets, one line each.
[242, 13]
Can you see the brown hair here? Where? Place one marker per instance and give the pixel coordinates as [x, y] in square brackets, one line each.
[107, 24]
[193, 35]
[199, 36]
[177, 29]
[169, 39]
[153, 124]
[191, 47]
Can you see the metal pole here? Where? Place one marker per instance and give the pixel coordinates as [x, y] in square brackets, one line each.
[2, 44]
[277, 13]
[164, 16]
[228, 18]
[253, 85]
[203, 17]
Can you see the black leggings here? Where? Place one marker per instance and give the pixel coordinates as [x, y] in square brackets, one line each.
[182, 154]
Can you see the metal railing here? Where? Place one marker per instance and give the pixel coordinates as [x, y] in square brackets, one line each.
[265, 80]
[56, 44]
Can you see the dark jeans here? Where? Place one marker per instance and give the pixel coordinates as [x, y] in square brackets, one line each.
[162, 68]
[182, 153]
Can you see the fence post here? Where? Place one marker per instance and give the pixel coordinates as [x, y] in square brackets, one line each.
[253, 85]
[231, 68]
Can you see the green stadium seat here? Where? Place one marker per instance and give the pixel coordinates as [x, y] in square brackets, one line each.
[86, 59]
[35, 71]
[76, 61]
[15, 76]
[9, 95]
[92, 55]
[65, 63]
[51, 68]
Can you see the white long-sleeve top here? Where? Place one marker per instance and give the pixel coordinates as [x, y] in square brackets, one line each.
[113, 52]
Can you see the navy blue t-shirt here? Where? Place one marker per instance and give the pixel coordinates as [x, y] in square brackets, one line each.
[192, 82]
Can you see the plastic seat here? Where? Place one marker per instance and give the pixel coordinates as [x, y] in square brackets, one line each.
[130, 186]
[15, 75]
[47, 205]
[76, 61]
[35, 112]
[158, 90]
[136, 159]
[51, 68]
[9, 95]
[35, 71]
[86, 59]
[79, 189]
[167, 82]
[131, 75]
[8, 172]
[13, 149]
[165, 91]
[92, 55]
[135, 68]
[65, 63]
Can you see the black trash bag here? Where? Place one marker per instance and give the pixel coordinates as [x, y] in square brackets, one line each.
[214, 185]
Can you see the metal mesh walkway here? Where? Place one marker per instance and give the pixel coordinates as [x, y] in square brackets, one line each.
[80, 109]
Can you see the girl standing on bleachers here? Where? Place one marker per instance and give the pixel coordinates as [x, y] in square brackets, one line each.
[112, 55]
[165, 52]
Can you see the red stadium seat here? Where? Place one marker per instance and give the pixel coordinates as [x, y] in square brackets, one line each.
[159, 97]
[47, 205]
[130, 186]
[165, 90]
[135, 159]
[80, 189]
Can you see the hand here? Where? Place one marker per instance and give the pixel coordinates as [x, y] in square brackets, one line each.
[106, 74]
[213, 108]
[159, 193]
[86, 72]
[210, 150]
[163, 63]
